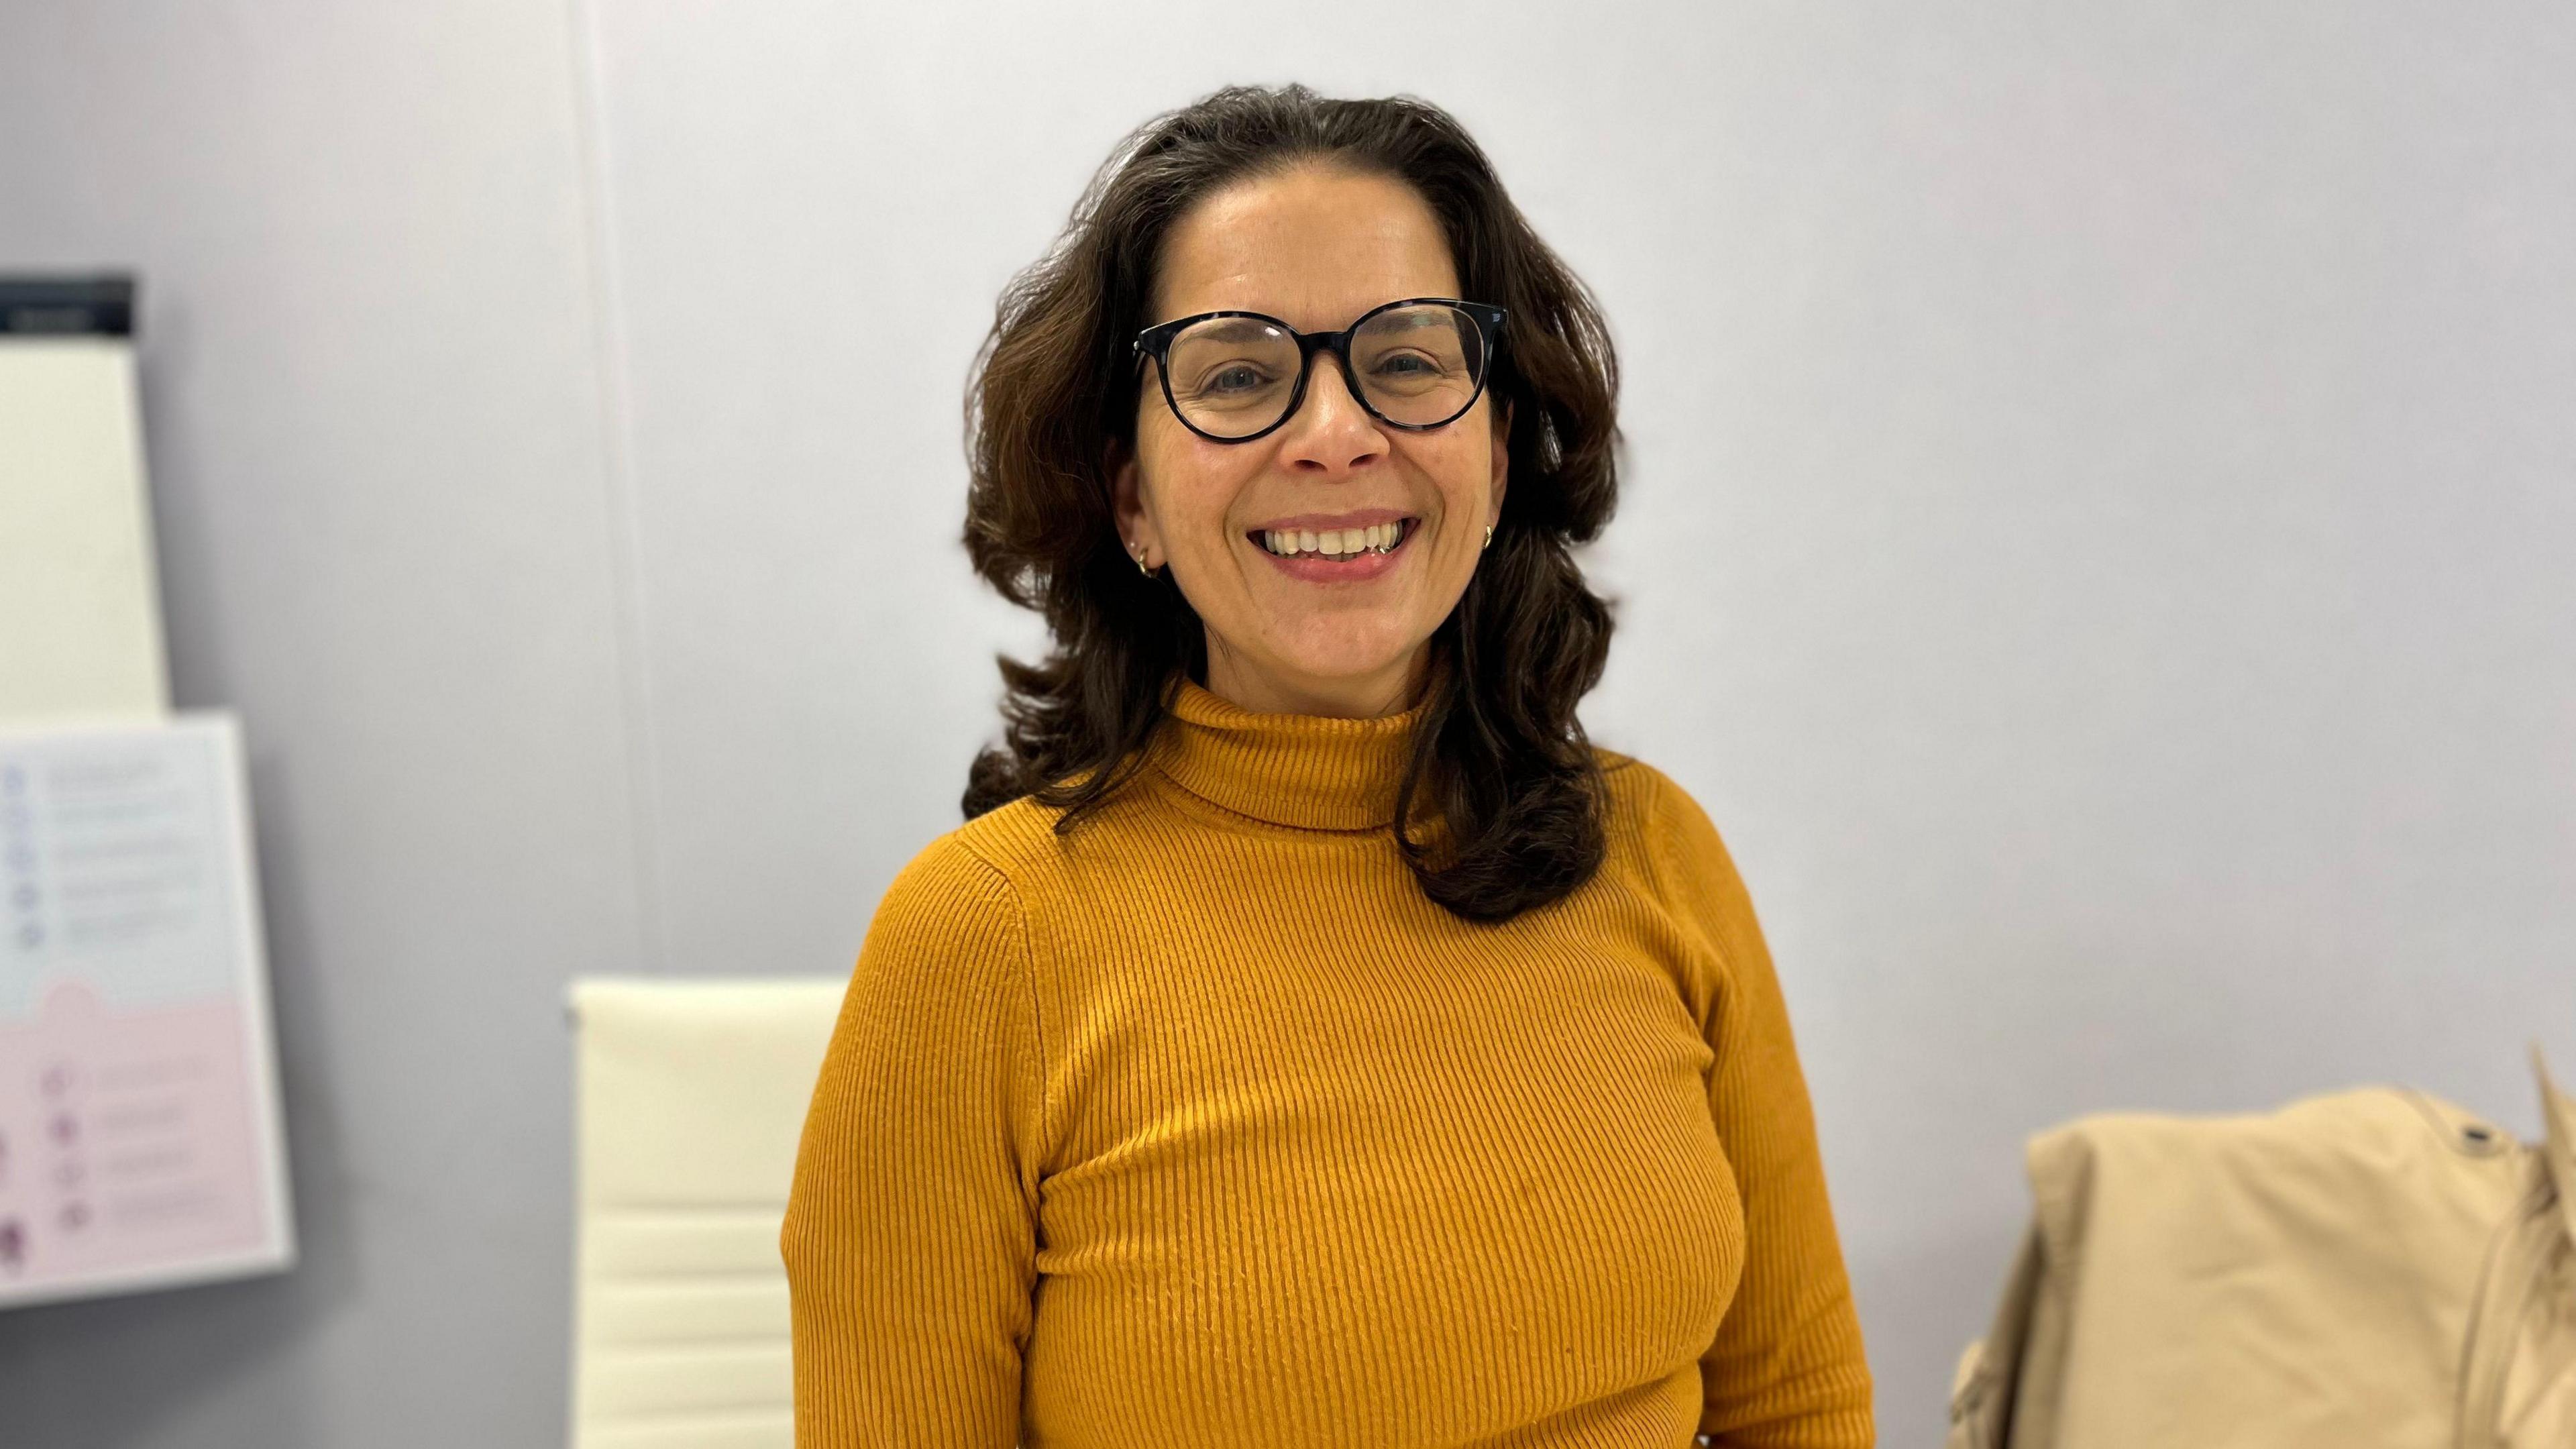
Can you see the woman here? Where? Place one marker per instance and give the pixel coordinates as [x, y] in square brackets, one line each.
[1310, 1039]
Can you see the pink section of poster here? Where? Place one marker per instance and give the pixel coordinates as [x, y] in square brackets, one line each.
[127, 1140]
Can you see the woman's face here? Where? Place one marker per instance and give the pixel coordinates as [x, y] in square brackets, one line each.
[1315, 247]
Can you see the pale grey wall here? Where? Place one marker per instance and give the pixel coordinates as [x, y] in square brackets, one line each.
[2102, 499]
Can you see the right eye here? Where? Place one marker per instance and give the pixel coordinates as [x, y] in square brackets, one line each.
[1235, 377]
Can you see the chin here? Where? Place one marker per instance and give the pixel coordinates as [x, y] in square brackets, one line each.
[1348, 660]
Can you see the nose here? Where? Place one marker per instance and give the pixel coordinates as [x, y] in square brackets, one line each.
[1331, 432]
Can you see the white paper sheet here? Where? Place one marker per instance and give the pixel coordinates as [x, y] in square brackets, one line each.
[80, 620]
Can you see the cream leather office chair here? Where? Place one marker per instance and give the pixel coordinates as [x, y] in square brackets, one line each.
[690, 1097]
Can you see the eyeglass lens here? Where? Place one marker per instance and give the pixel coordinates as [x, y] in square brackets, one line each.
[1419, 366]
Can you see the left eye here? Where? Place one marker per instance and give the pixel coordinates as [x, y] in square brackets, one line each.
[1406, 363]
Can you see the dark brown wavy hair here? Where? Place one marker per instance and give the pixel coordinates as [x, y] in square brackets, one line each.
[1501, 782]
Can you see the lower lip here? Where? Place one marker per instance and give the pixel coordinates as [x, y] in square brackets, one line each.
[1320, 570]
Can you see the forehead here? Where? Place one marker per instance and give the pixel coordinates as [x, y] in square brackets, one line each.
[1315, 246]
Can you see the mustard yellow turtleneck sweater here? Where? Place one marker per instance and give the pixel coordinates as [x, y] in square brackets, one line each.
[1201, 1127]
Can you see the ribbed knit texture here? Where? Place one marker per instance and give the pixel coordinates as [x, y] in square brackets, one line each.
[1202, 1127]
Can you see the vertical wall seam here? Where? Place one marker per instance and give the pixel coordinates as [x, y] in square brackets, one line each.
[624, 517]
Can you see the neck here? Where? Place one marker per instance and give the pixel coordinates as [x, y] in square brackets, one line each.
[1374, 695]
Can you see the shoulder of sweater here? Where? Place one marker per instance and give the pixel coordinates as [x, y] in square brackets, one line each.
[1670, 829]
[948, 877]
[948, 905]
[1012, 840]
[1641, 797]
[1634, 784]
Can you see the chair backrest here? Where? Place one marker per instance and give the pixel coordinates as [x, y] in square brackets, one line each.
[690, 1099]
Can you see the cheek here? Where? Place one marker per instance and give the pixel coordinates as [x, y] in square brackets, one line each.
[1460, 467]
[1190, 485]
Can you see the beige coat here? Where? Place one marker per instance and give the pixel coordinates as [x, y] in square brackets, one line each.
[2368, 1269]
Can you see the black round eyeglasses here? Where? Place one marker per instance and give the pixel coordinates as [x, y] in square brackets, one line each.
[1417, 364]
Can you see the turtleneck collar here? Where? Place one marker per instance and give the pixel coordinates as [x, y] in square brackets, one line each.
[1312, 772]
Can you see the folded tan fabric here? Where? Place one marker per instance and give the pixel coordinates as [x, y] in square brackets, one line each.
[2367, 1269]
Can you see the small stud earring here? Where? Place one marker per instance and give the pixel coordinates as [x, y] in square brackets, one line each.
[1140, 562]
[1489, 535]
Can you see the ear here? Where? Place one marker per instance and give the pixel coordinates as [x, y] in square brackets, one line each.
[1127, 506]
[1502, 458]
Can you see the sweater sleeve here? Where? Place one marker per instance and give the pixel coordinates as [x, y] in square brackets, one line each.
[1786, 1370]
[910, 1235]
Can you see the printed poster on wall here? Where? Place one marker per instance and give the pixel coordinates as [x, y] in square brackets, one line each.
[140, 1139]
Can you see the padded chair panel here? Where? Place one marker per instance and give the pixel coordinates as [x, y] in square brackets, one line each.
[691, 1097]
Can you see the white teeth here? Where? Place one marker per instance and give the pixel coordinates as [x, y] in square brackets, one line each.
[1334, 543]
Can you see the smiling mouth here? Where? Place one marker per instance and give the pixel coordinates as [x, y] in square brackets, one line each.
[1334, 544]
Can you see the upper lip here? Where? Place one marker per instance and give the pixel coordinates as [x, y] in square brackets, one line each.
[1318, 522]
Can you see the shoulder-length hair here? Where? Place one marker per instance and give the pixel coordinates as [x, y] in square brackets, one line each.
[1500, 772]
